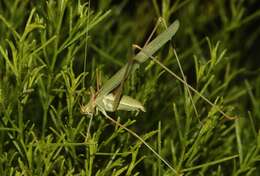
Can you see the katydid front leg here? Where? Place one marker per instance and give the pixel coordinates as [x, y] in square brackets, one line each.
[142, 140]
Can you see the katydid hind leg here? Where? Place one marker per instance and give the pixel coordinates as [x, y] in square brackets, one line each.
[185, 83]
[119, 90]
[162, 21]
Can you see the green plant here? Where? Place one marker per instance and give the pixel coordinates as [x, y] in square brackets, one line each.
[42, 83]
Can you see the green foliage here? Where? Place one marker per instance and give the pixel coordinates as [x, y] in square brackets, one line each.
[43, 81]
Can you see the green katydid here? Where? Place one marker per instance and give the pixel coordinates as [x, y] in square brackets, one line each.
[103, 100]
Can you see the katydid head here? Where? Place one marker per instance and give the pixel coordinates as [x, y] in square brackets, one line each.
[89, 108]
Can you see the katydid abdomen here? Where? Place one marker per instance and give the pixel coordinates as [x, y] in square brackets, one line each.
[126, 103]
